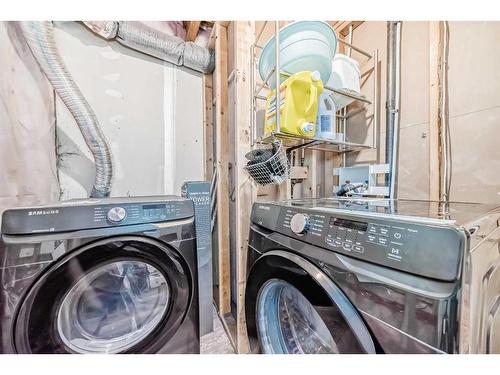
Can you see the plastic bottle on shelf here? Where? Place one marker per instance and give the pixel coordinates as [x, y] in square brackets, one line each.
[299, 96]
[325, 121]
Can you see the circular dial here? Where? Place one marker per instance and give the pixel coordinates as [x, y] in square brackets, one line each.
[117, 214]
[299, 223]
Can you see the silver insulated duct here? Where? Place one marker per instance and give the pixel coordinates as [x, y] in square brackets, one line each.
[40, 39]
[145, 39]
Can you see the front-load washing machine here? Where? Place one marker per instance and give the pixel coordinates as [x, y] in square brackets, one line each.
[114, 275]
[373, 276]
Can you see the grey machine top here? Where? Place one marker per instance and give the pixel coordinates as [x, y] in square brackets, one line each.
[420, 237]
[94, 213]
[452, 213]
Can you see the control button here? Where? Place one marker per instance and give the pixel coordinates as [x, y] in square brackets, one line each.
[395, 251]
[383, 230]
[117, 214]
[347, 246]
[299, 223]
[359, 249]
[338, 243]
[397, 235]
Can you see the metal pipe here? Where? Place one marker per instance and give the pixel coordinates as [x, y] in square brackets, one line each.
[253, 101]
[393, 102]
[40, 38]
[376, 72]
[277, 71]
[344, 110]
[444, 116]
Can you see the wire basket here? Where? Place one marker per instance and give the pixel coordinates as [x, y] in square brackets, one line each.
[268, 164]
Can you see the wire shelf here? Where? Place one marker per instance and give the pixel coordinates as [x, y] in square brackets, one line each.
[295, 141]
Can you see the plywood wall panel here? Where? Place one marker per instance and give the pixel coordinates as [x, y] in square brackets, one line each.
[476, 156]
[414, 73]
[474, 61]
[413, 176]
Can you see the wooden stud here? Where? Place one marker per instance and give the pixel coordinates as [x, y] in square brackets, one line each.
[222, 156]
[208, 126]
[192, 30]
[310, 186]
[328, 177]
[434, 125]
[342, 27]
[244, 35]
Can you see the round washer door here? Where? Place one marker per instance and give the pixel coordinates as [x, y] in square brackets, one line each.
[294, 308]
[119, 295]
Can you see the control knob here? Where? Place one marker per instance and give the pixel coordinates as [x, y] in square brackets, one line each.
[117, 214]
[299, 223]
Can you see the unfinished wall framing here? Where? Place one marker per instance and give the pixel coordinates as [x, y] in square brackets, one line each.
[473, 115]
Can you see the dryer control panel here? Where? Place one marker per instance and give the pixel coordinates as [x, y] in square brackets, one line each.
[421, 248]
[100, 213]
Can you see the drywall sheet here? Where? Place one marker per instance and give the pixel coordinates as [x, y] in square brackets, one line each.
[474, 107]
[27, 148]
[150, 112]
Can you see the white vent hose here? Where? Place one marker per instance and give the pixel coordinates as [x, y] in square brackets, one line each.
[40, 38]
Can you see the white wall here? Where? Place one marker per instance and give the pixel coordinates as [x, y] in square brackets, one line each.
[27, 147]
[150, 112]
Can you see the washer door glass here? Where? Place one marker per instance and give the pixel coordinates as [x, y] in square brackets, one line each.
[113, 307]
[288, 323]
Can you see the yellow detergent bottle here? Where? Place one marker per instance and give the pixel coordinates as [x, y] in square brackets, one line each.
[299, 105]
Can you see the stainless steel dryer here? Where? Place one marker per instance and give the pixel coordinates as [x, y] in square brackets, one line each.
[114, 275]
[373, 276]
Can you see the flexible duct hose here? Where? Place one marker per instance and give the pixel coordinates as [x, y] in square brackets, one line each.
[145, 39]
[40, 39]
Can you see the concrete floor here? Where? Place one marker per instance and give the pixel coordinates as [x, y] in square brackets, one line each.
[216, 342]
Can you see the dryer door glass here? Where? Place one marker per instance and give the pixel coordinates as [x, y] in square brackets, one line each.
[113, 307]
[289, 324]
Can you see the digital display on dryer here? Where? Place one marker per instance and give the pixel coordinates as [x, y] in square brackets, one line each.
[350, 224]
[153, 206]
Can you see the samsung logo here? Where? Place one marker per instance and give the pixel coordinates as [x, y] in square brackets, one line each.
[267, 208]
[42, 212]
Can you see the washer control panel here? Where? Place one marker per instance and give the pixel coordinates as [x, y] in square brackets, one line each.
[304, 223]
[390, 240]
[132, 213]
[94, 214]
[422, 248]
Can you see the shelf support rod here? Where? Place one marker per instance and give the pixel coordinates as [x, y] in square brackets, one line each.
[351, 46]
[277, 71]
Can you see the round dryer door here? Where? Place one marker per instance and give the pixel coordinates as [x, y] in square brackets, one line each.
[114, 296]
[293, 308]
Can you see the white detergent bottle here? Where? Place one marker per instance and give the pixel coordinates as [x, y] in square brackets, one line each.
[325, 122]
